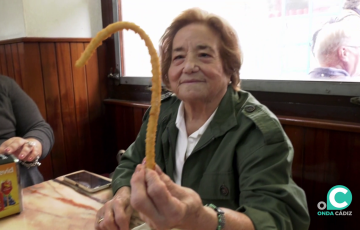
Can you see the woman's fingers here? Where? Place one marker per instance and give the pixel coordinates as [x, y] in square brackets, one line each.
[109, 221]
[116, 213]
[30, 156]
[3, 147]
[99, 217]
[139, 198]
[186, 201]
[160, 201]
[147, 221]
[27, 153]
[107, 218]
[35, 150]
[122, 213]
[174, 189]
[24, 149]
[151, 198]
[158, 191]
[12, 145]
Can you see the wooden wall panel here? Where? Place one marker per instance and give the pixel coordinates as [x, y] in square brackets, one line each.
[21, 54]
[81, 108]
[111, 138]
[122, 126]
[330, 160]
[95, 107]
[9, 61]
[16, 63]
[138, 114]
[3, 61]
[127, 117]
[69, 98]
[53, 107]
[67, 101]
[32, 75]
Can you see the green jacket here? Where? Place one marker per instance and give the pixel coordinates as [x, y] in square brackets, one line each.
[242, 162]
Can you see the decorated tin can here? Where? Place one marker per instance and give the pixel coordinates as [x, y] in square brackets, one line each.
[10, 189]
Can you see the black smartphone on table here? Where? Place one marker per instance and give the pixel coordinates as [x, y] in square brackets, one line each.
[88, 181]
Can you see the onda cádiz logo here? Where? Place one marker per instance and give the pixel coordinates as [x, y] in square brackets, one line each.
[339, 197]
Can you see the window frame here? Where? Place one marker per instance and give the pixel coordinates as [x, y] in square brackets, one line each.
[281, 86]
[289, 99]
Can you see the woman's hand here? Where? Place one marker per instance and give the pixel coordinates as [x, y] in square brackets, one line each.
[116, 213]
[163, 204]
[24, 149]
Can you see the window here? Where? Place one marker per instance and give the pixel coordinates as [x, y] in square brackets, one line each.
[275, 35]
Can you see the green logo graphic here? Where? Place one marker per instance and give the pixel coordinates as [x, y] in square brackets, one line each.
[339, 197]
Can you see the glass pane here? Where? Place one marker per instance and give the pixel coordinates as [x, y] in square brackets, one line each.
[275, 35]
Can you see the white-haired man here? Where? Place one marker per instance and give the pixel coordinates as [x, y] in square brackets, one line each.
[337, 49]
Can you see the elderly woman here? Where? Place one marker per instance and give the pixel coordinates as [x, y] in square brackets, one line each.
[223, 160]
[23, 131]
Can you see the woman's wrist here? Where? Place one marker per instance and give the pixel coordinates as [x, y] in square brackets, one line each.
[207, 219]
[123, 192]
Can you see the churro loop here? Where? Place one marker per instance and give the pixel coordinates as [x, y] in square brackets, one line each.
[156, 79]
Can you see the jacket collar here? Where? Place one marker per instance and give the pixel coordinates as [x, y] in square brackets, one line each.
[223, 121]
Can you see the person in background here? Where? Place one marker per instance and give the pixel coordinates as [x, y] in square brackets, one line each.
[352, 5]
[223, 159]
[23, 131]
[337, 48]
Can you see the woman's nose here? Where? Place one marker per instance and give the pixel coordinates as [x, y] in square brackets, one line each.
[190, 65]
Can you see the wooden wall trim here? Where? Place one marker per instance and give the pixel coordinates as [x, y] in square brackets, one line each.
[284, 120]
[41, 39]
[321, 124]
[142, 105]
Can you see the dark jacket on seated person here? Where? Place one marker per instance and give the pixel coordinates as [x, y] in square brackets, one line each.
[329, 73]
[20, 117]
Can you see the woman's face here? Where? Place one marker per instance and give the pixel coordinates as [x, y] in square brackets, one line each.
[196, 71]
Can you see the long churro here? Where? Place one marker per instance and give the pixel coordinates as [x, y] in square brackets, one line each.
[156, 79]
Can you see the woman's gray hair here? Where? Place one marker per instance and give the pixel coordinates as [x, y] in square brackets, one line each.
[230, 51]
[336, 34]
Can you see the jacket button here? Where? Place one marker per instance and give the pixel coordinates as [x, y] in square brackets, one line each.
[224, 190]
[250, 108]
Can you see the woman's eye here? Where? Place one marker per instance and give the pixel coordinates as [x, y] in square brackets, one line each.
[178, 57]
[204, 55]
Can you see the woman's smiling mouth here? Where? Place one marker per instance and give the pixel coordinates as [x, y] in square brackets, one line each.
[192, 81]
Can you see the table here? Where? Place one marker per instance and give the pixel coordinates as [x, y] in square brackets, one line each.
[56, 205]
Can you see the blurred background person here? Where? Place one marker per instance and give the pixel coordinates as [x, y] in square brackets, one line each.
[352, 5]
[336, 47]
[23, 131]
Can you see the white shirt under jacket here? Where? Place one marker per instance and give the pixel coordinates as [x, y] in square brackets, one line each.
[185, 144]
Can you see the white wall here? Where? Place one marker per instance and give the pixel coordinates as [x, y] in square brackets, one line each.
[65, 18]
[12, 24]
[50, 18]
